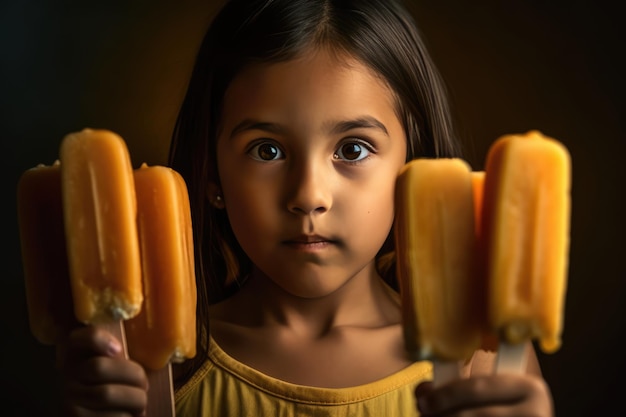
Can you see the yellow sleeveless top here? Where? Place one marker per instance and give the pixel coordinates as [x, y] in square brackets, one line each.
[224, 387]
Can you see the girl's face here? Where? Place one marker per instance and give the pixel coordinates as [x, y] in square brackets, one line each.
[308, 156]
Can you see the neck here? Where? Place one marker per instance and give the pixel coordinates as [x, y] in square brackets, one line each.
[363, 301]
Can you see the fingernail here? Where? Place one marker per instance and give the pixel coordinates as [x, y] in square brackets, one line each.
[114, 348]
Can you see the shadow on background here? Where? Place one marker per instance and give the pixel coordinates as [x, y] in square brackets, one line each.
[511, 66]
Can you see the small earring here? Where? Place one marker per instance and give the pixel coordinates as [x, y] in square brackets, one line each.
[218, 202]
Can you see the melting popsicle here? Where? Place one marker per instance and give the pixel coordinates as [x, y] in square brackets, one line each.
[478, 188]
[435, 245]
[44, 256]
[100, 211]
[165, 329]
[490, 339]
[525, 224]
[90, 201]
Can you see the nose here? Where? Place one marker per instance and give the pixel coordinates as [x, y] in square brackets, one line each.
[310, 190]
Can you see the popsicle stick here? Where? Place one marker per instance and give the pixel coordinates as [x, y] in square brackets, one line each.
[160, 393]
[511, 358]
[445, 371]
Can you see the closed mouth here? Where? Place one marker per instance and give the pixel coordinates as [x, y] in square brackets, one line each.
[310, 241]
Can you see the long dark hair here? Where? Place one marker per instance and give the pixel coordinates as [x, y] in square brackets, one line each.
[381, 34]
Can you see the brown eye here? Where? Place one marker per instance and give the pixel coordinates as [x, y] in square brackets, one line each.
[265, 152]
[268, 152]
[352, 152]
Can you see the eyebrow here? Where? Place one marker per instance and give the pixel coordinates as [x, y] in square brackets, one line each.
[251, 124]
[363, 122]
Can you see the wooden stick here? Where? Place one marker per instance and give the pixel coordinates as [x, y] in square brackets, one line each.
[511, 358]
[445, 371]
[160, 393]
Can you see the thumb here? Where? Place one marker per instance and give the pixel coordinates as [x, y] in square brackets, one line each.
[421, 392]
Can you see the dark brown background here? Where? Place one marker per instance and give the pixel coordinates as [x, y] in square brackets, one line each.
[511, 66]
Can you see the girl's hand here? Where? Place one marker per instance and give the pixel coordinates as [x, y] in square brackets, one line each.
[99, 381]
[487, 395]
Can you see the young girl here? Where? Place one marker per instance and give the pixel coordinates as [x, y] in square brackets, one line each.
[298, 117]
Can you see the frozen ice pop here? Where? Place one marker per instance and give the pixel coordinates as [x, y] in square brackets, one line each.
[435, 245]
[100, 226]
[525, 223]
[165, 330]
[89, 201]
[44, 257]
[490, 340]
[478, 187]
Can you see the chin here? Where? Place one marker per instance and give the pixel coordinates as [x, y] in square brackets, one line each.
[306, 285]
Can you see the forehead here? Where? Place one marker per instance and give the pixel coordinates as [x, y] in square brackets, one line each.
[311, 81]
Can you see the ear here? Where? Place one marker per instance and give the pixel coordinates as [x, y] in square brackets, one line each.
[214, 195]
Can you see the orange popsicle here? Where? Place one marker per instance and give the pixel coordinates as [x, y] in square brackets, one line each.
[92, 193]
[100, 226]
[478, 186]
[165, 330]
[435, 245]
[42, 239]
[526, 214]
[490, 340]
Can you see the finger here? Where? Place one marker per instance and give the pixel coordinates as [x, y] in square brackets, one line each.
[108, 398]
[76, 411]
[91, 341]
[424, 388]
[483, 391]
[102, 369]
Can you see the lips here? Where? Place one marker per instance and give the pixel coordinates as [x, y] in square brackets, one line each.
[310, 242]
[309, 239]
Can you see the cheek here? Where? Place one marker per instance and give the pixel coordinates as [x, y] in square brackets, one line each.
[372, 214]
[243, 205]
[245, 222]
[250, 209]
[385, 212]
